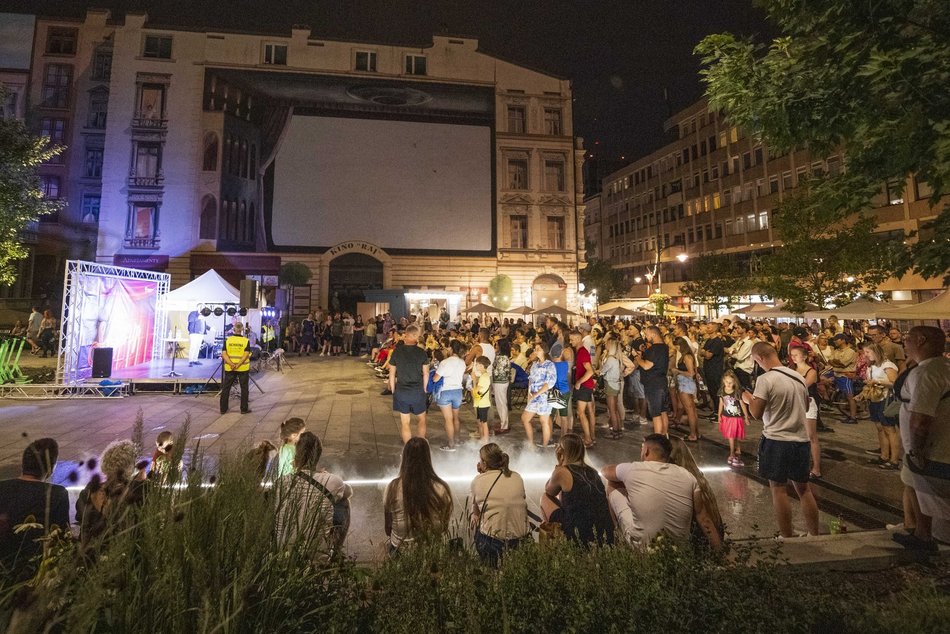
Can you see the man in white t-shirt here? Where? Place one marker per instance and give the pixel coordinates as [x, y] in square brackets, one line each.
[653, 496]
[780, 400]
[741, 352]
[924, 394]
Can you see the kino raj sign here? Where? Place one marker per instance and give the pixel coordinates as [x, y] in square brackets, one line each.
[349, 247]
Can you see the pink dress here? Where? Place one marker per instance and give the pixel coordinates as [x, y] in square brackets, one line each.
[731, 423]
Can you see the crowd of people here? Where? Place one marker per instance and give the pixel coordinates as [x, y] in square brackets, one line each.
[40, 332]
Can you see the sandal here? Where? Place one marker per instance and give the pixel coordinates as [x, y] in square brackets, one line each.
[696, 439]
[588, 445]
[616, 435]
[814, 476]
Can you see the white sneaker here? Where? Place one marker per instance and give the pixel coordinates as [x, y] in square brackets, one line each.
[895, 527]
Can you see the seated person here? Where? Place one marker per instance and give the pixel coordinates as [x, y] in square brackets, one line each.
[31, 499]
[654, 496]
[575, 498]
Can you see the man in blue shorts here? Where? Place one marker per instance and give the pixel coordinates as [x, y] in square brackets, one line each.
[408, 376]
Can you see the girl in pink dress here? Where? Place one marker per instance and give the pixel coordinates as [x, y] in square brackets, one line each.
[732, 417]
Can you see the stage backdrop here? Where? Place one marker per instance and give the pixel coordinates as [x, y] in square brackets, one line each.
[111, 307]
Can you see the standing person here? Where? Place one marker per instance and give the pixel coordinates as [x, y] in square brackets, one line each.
[686, 385]
[799, 361]
[450, 372]
[713, 352]
[501, 376]
[481, 394]
[654, 365]
[542, 378]
[483, 348]
[31, 496]
[408, 376]
[844, 361]
[882, 373]
[499, 512]
[348, 330]
[575, 497]
[781, 401]
[741, 353]
[336, 334]
[196, 334]
[612, 369]
[236, 364]
[308, 330]
[358, 329]
[47, 337]
[925, 409]
[369, 335]
[583, 384]
[33, 329]
[417, 503]
[892, 352]
[732, 417]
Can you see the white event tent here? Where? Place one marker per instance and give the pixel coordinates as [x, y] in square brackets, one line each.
[936, 308]
[207, 288]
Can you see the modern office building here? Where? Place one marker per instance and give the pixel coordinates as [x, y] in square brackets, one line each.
[419, 171]
[713, 189]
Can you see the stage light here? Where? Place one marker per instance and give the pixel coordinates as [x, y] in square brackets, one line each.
[218, 311]
[205, 312]
[242, 312]
[232, 312]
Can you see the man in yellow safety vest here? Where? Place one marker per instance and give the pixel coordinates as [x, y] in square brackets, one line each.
[236, 360]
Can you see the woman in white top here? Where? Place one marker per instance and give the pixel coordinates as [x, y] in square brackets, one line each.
[418, 503]
[881, 376]
[451, 371]
[499, 512]
[612, 369]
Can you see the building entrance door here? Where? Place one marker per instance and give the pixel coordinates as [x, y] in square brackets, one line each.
[350, 275]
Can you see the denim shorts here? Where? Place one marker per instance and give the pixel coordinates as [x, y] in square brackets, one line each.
[845, 384]
[686, 384]
[450, 397]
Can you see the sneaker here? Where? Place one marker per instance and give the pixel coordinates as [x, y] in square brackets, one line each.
[847, 420]
[731, 460]
[873, 452]
[446, 448]
[386, 392]
[894, 527]
[737, 462]
[888, 466]
[876, 461]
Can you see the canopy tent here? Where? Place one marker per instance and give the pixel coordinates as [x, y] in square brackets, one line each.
[650, 308]
[520, 310]
[554, 310]
[618, 311]
[207, 288]
[482, 309]
[936, 308]
[781, 311]
[858, 309]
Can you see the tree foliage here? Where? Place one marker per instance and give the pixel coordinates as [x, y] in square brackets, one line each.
[718, 280]
[607, 280]
[824, 260]
[294, 274]
[21, 198]
[869, 78]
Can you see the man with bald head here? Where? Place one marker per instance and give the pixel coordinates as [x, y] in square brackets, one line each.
[924, 393]
[780, 400]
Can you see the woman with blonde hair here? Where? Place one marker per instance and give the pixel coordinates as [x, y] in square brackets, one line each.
[681, 456]
[685, 370]
[499, 512]
[107, 497]
[882, 373]
[613, 368]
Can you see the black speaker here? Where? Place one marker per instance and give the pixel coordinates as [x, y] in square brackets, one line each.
[102, 363]
[249, 293]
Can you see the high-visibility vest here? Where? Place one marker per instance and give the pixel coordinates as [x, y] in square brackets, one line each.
[236, 347]
[268, 333]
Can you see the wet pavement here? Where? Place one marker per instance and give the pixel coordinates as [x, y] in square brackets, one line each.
[361, 443]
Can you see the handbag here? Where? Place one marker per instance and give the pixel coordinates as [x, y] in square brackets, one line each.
[556, 398]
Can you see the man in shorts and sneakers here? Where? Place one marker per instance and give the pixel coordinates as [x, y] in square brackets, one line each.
[654, 363]
[408, 376]
[780, 400]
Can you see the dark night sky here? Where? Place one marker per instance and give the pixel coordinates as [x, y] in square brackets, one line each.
[620, 54]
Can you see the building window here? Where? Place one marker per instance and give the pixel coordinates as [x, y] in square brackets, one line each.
[366, 61]
[740, 224]
[152, 101]
[758, 155]
[49, 185]
[787, 181]
[773, 184]
[746, 160]
[552, 121]
[207, 223]
[143, 225]
[922, 189]
[98, 110]
[61, 41]
[209, 160]
[556, 232]
[102, 65]
[554, 175]
[252, 162]
[92, 168]
[157, 47]
[275, 54]
[251, 223]
[90, 208]
[894, 194]
[55, 131]
[519, 232]
[834, 166]
[416, 65]
[147, 169]
[516, 119]
[518, 174]
[56, 84]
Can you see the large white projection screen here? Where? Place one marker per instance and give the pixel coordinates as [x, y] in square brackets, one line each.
[397, 184]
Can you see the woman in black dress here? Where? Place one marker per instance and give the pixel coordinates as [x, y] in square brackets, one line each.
[307, 334]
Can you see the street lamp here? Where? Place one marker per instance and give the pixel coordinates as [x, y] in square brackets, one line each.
[637, 279]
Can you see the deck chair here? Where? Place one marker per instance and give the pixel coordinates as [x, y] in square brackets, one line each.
[518, 389]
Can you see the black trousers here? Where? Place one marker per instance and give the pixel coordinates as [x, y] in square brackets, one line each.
[228, 382]
[745, 378]
[713, 377]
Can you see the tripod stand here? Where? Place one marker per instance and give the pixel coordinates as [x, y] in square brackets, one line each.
[204, 388]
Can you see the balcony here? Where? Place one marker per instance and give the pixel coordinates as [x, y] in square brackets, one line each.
[149, 121]
[151, 180]
[142, 243]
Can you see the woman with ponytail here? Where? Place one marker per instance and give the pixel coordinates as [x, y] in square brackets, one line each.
[499, 513]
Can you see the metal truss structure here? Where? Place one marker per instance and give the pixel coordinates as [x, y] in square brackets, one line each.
[31, 391]
[67, 371]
